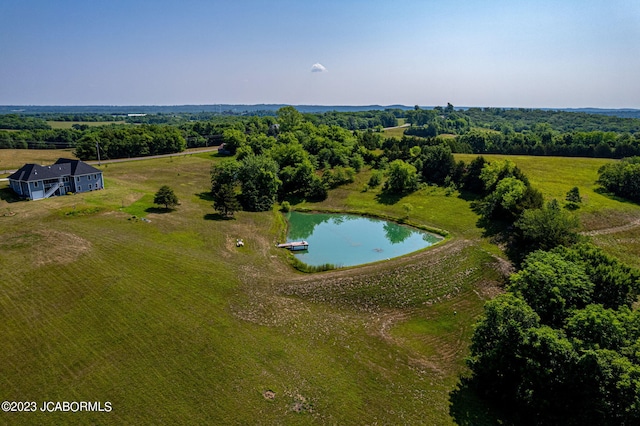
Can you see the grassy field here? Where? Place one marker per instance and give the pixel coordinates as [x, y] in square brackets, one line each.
[396, 132]
[12, 159]
[172, 323]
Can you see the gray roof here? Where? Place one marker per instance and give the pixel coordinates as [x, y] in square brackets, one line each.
[77, 167]
[62, 167]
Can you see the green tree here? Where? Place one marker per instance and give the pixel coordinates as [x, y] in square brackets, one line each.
[546, 392]
[616, 284]
[598, 327]
[622, 178]
[573, 195]
[471, 180]
[317, 190]
[166, 197]
[224, 180]
[437, 163]
[403, 177]
[225, 200]
[375, 179]
[552, 286]
[258, 177]
[573, 199]
[546, 228]
[288, 118]
[503, 201]
[609, 386]
[233, 139]
[496, 343]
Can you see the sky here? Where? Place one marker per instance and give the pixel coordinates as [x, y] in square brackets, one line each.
[485, 53]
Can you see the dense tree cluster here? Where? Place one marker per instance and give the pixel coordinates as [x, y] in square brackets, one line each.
[562, 345]
[284, 159]
[129, 141]
[40, 138]
[545, 141]
[622, 178]
[546, 228]
[17, 122]
[358, 120]
[527, 119]
[529, 131]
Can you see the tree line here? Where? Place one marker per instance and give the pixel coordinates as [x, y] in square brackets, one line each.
[529, 131]
[473, 130]
[622, 178]
[129, 141]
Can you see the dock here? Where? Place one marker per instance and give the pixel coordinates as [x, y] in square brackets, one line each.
[295, 245]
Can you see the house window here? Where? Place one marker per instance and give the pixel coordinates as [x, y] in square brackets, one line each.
[35, 185]
[79, 188]
[90, 187]
[78, 179]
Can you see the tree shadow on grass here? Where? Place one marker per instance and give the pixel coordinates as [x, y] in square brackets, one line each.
[468, 409]
[602, 191]
[389, 198]
[217, 217]
[469, 196]
[158, 210]
[206, 196]
[295, 199]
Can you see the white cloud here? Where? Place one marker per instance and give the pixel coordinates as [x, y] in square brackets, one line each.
[318, 68]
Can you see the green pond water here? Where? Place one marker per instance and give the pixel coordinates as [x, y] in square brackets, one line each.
[349, 240]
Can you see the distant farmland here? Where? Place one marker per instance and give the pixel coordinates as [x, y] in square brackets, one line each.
[69, 124]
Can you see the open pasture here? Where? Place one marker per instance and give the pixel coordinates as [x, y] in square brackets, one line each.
[172, 323]
[12, 159]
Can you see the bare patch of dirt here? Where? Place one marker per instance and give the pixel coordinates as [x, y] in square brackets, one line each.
[488, 289]
[269, 395]
[503, 266]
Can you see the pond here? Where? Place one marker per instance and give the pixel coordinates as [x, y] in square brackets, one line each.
[349, 240]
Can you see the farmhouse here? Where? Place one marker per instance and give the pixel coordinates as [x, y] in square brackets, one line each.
[38, 182]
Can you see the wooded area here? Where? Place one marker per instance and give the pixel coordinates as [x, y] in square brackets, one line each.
[474, 130]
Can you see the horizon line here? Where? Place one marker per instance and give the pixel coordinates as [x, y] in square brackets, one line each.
[303, 105]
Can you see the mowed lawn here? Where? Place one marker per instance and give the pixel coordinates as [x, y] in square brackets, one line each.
[172, 323]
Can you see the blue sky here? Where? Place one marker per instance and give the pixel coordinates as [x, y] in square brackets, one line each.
[562, 53]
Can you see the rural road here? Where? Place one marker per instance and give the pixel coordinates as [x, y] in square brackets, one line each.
[149, 157]
[121, 160]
